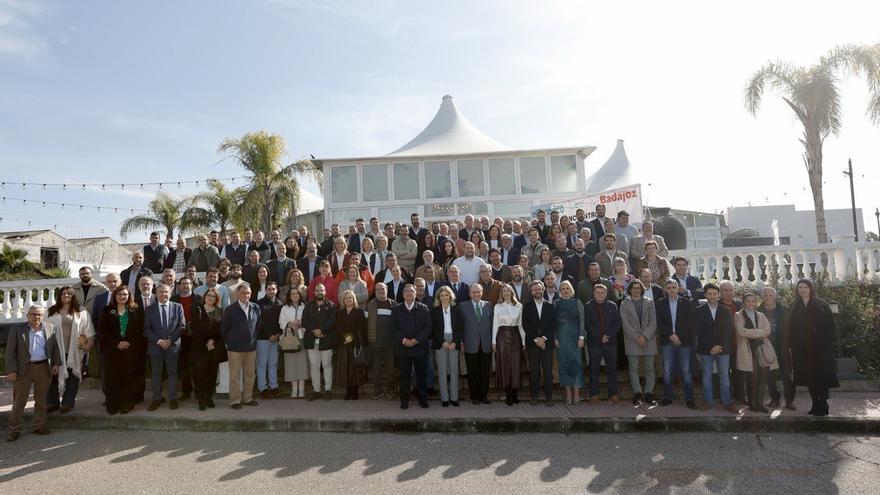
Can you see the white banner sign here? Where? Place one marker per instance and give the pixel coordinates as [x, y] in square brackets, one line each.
[627, 198]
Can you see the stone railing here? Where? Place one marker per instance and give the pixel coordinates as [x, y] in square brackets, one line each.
[840, 260]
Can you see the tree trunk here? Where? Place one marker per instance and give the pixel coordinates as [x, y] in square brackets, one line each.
[813, 159]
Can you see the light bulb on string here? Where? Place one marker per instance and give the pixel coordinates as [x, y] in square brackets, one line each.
[44, 187]
[142, 186]
[122, 186]
[160, 186]
[178, 185]
[23, 185]
[103, 187]
[84, 187]
[64, 186]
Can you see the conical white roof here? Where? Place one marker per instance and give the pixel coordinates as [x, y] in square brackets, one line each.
[449, 133]
[617, 172]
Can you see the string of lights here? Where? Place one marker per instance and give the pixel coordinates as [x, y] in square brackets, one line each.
[98, 208]
[115, 185]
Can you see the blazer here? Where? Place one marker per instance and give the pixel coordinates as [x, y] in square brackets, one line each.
[239, 330]
[110, 336]
[173, 329]
[462, 294]
[334, 263]
[524, 291]
[18, 348]
[571, 267]
[322, 318]
[744, 335]
[396, 292]
[709, 332]
[506, 277]
[126, 274]
[354, 242]
[512, 255]
[404, 274]
[683, 325]
[493, 292]
[88, 301]
[303, 265]
[597, 229]
[519, 241]
[594, 330]
[187, 254]
[634, 327]
[278, 270]
[692, 285]
[70, 351]
[535, 327]
[411, 324]
[100, 302]
[476, 334]
[606, 264]
[438, 325]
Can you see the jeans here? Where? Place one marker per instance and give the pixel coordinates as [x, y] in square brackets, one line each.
[723, 363]
[447, 365]
[650, 374]
[681, 356]
[317, 360]
[609, 353]
[168, 358]
[71, 386]
[267, 358]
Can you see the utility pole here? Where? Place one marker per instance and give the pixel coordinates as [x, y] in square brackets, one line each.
[852, 193]
[877, 214]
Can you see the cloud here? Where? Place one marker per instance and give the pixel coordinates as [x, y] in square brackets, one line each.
[18, 33]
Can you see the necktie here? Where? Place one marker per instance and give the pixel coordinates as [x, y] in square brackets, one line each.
[164, 318]
[478, 310]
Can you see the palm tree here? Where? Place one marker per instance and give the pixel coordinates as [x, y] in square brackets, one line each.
[213, 208]
[274, 186]
[814, 96]
[14, 260]
[165, 212]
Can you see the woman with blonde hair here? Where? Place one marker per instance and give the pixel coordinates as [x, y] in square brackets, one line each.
[570, 338]
[508, 343]
[351, 330]
[446, 329]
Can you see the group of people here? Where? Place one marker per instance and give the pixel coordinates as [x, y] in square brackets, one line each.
[405, 304]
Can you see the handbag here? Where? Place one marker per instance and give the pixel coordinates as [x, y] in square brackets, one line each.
[766, 356]
[360, 356]
[290, 342]
[82, 342]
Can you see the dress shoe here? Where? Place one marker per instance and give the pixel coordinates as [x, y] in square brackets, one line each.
[475, 402]
[790, 406]
[172, 404]
[264, 394]
[66, 409]
[423, 404]
[691, 405]
[153, 405]
[730, 408]
[236, 406]
[379, 396]
[404, 405]
[162, 400]
[594, 400]
[251, 403]
[637, 399]
[314, 396]
[445, 403]
[52, 409]
[202, 406]
[649, 400]
[185, 396]
[209, 403]
[508, 400]
[485, 401]
[274, 392]
[42, 431]
[614, 399]
[12, 436]
[515, 396]
[774, 404]
[665, 402]
[454, 403]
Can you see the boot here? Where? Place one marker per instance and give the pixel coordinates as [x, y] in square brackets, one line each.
[516, 396]
[508, 397]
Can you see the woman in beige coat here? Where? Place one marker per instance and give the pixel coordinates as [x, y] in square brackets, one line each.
[755, 356]
[639, 321]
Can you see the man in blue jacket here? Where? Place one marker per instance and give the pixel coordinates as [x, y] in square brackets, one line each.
[163, 325]
[713, 327]
[411, 329]
[602, 322]
[239, 325]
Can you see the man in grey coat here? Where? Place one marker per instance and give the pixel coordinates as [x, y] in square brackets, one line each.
[476, 316]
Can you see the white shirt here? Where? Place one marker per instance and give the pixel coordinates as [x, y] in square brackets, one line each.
[540, 305]
[246, 308]
[507, 315]
[469, 269]
[447, 323]
[713, 309]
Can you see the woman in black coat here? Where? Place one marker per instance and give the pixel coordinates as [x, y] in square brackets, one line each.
[123, 345]
[812, 346]
[207, 350]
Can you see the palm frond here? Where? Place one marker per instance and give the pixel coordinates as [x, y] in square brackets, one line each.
[137, 223]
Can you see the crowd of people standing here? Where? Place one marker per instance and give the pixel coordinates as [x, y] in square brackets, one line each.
[415, 308]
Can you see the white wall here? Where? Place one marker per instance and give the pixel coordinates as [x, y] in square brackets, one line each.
[799, 225]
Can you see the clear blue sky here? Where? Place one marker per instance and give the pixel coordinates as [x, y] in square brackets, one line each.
[128, 91]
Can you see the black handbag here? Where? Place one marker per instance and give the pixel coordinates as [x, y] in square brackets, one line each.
[360, 356]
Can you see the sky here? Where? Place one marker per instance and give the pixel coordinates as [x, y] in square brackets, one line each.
[95, 92]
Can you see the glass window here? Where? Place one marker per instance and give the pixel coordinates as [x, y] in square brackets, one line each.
[441, 210]
[513, 208]
[406, 181]
[343, 184]
[532, 175]
[347, 216]
[470, 178]
[706, 220]
[502, 180]
[393, 213]
[474, 208]
[438, 180]
[564, 173]
[375, 182]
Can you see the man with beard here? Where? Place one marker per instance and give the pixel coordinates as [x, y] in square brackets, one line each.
[578, 262]
[319, 340]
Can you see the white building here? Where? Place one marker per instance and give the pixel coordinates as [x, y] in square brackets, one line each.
[799, 225]
[448, 170]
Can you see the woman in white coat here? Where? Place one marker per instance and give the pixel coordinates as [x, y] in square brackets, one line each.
[639, 321]
[296, 366]
[76, 336]
[755, 356]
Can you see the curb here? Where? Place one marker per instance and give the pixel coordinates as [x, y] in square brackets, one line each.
[805, 424]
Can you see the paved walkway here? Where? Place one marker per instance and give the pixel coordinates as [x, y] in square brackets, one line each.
[849, 412]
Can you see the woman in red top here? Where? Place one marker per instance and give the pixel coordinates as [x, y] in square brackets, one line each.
[324, 277]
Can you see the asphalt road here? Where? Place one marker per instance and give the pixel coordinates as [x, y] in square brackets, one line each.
[80, 462]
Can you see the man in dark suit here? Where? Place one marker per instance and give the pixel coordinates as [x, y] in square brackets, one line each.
[163, 325]
[713, 328]
[577, 265]
[308, 264]
[327, 244]
[676, 340]
[557, 265]
[476, 317]
[281, 265]
[384, 274]
[656, 292]
[32, 358]
[509, 254]
[355, 240]
[239, 325]
[518, 284]
[396, 285]
[453, 280]
[188, 301]
[542, 226]
[539, 323]
[133, 273]
[597, 225]
[411, 329]
[603, 324]
[111, 281]
[688, 285]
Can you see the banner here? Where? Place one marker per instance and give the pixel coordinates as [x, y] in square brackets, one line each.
[627, 198]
